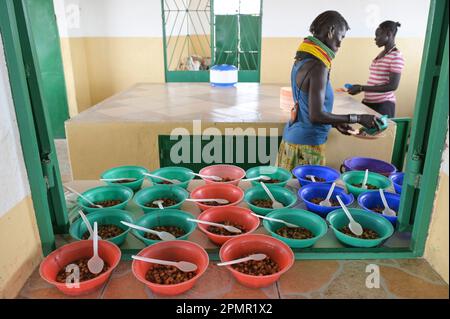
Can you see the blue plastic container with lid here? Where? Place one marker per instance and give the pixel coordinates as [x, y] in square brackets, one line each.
[223, 75]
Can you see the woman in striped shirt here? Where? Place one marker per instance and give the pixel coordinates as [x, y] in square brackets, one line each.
[385, 72]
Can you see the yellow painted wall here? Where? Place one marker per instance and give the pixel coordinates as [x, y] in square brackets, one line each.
[20, 247]
[350, 66]
[102, 67]
[437, 248]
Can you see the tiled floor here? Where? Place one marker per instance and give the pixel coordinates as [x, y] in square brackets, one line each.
[305, 280]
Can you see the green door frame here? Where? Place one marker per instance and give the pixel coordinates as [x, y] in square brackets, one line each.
[427, 136]
[36, 137]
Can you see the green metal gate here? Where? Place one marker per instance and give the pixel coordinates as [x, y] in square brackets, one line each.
[238, 42]
[187, 40]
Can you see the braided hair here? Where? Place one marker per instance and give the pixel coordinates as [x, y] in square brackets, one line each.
[390, 26]
[326, 20]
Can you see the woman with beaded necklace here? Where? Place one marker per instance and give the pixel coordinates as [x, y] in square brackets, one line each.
[307, 131]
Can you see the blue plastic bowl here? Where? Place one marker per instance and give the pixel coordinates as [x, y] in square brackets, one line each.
[102, 193]
[397, 180]
[316, 190]
[126, 172]
[371, 200]
[329, 174]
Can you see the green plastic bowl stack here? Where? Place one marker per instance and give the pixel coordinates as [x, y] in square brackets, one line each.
[169, 217]
[301, 218]
[126, 172]
[151, 194]
[368, 220]
[273, 172]
[357, 177]
[102, 193]
[281, 194]
[104, 217]
[179, 173]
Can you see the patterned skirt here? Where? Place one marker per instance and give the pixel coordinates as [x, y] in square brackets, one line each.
[293, 155]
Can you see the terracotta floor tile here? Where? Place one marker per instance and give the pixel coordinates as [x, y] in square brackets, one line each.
[420, 268]
[125, 286]
[53, 293]
[350, 283]
[238, 291]
[307, 276]
[404, 285]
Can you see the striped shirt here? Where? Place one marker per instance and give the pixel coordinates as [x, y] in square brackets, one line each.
[380, 70]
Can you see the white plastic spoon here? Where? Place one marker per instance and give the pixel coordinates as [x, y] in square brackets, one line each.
[275, 204]
[231, 229]
[88, 225]
[387, 211]
[355, 227]
[264, 178]
[184, 266]
[216, 178]
[159, 203]
[256, 257]
[95, 264]
[327, 202]
[165, 236]
[83, 197]
[277, 220]
[173, 181]
[218, 200]
[311, 177]
[364, 184]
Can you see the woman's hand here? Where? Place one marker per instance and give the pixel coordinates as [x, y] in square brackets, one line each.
[368, 121]
[355, 89]
[343, 128]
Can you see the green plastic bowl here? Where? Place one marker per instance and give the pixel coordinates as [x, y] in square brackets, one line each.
[168, 217]
[357, 177]
[281, 194]
[126, 172]
[370, 220]
[300, 217]
[105, 217]
[101, 193]
[156, 192]
[271, 171]
[180, 173]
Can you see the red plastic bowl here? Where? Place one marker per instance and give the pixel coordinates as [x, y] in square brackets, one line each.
[179, 250]
[66, 254]
[225, 171]
[238, 215]
[246, 245]
[218, 190]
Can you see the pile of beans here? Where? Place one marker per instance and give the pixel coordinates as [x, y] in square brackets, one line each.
[124, 181]
[294, 233]
[168, 275]
[263, 267]
[369, 186]
[318, 179]
[367, 233]
[213, 204]
[85, 274]
[105, 232]
[166, 202]
[263, 203]
[226, 179]
[107, 203]
[318, 200]
[223, 232]
[176, 231]
[378, 210]
[272, 181]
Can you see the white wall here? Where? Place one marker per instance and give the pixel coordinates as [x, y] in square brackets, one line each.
[14, 185]
[109, 18]
[291, 18]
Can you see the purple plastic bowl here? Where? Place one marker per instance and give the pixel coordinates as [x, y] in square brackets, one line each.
[372, 164]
